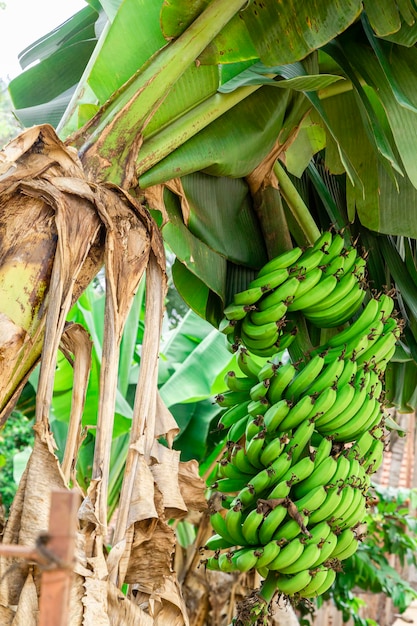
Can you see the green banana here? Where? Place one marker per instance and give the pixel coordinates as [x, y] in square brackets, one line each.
[274, 313]
[328, 377]
[297, 414]
[248, 365]
[307, 281]
[322, 450]
[299, 440]
[239, 459]
[261, 481]
[227, 327]
[327, 547]
[312, 500]
[291, 529]
[324, 241]
[271, 280]
[258, 407]
[361, 446]
[318, 533]
[360, 327]
[318, 578]
[270, 552]
[226, 469]
[386, 306]
[234, 523]
[342, 471]
[212, 563]
[344, 540]
[345, 285]
[260, 332]
[237, 312]
[264, 345]
[360, 423]
[350, 254]
[323, 402]
[268, 370]
[251, 525]
[278, 470]
[309, 260]
[275, 414]
[245, 559]
[334, 267]
[299, 471]
[322, 474]
[317, 294]
[259, 390]
[335, 249]
[330, 578]
[329, 506]
[238, 383]
[303, 379]
[284, 260]
[349, 551]
[272, 450]
[232, 415]
[249, 296]
[310, 554]
[283, 294]
[217, 542]
[358, 407]
[378, 349]
[286, 338]
[291, 585]
[281, 490]
[283, 376]
[254, 448]
[355, 512]
[230, 398]
[340, 312]
[288, 555]
[349, 372]
[238, 429]
[254, 426]
[375, 456]
[271, 523]
[225, 562]
[229, 485]
[219, 526]
[348, 402]
[347, 495]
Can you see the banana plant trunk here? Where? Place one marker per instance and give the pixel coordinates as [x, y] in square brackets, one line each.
[58, 228]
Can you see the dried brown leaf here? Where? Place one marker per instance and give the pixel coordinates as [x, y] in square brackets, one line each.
[165, 424]
[75, 342]
[154, 197]
[27, 608]
[166, 475]
[6, 615]
[192, 486]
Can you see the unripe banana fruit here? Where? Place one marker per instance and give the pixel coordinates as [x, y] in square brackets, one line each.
[302, 438]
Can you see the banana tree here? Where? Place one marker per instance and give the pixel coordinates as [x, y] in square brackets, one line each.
[230, 130]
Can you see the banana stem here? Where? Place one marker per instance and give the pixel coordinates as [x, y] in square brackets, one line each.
[296, 204]
[269, 587]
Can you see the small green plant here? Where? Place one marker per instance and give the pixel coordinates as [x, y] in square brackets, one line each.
[15, 438]
[391, 530]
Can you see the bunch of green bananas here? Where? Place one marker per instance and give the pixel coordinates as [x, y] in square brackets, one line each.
[303, 440]
[324, 282]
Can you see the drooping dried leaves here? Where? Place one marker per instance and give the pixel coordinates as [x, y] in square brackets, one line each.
[57, 228]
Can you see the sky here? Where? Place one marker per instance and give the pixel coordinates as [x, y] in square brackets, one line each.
[24, 21]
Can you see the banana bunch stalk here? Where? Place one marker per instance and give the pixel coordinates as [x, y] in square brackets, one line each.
[303, 439]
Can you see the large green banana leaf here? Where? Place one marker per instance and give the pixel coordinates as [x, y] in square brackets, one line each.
[336, 78]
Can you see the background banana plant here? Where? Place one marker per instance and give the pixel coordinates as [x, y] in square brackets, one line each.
[245, 127]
